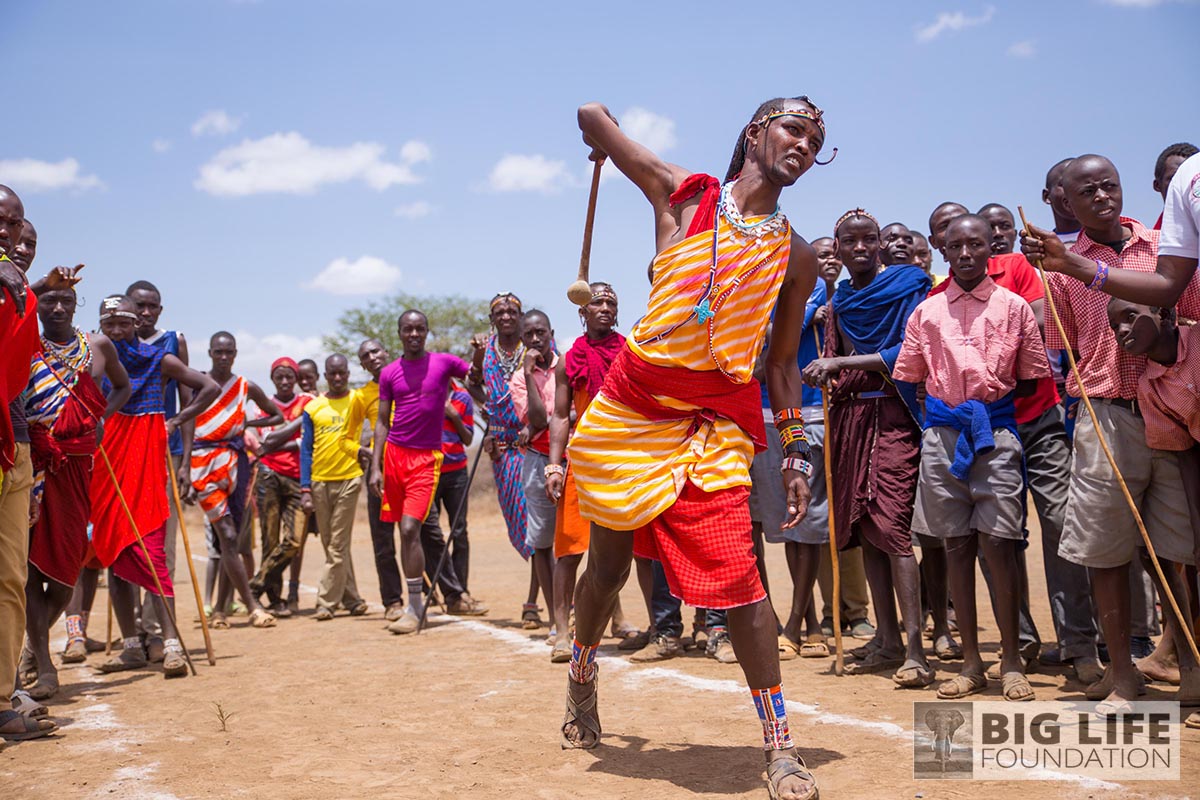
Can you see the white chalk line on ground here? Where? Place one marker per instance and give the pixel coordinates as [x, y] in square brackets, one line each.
[638, 675]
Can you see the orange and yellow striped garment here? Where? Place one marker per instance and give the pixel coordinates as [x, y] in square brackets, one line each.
[214, 450]
[629, 469]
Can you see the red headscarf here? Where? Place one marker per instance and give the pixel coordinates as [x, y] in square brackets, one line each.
[284, 361]
[588, 360]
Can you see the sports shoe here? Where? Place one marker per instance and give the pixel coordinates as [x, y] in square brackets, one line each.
[467, 606]
[861, 629]
[661, 648]
[1140, 646]
[394, 612]
[406, 624]
[720, 648]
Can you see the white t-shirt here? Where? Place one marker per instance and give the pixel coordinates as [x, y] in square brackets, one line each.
[1181, 216]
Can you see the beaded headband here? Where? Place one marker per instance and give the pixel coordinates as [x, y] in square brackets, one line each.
[501, 298]
[109, 306]
[604, 291]
[816, 115]
[854, 212]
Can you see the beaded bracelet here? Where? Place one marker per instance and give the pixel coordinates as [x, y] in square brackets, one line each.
[789, 436]
[1101, 278]
[787, 415]
[553, 469]
[800, 465]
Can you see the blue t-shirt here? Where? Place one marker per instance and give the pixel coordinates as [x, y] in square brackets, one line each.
[169, 341]
[808, 351]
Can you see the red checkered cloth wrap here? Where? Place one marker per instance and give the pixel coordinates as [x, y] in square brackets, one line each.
[21, 343]
[706, 212]
[703, 540]
[587, 362]
[58, 541]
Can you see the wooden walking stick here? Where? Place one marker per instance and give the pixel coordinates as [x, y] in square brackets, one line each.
[187, 549]
[149, 561]
[1184, 622]
[839, 664]
[580, 292]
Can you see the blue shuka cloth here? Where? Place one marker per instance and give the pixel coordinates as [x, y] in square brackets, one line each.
[974, 420]
[874, 318]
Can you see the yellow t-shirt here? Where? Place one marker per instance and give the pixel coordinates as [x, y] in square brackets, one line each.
[335, 456]
[366, 405]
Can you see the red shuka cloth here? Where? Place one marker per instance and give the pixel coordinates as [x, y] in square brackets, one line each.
[58, 542]
[20, 343]
[587, 362]
[634, 382]
[131, 565]
[137, 447]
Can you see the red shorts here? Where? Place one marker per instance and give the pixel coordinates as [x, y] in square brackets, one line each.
[410, 478]
[706, 549]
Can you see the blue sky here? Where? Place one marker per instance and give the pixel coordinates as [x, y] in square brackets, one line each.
[270, 164]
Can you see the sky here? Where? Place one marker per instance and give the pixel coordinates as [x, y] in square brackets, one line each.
[271, 164]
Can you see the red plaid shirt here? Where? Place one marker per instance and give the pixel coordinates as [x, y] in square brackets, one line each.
[1170, 396]
[1106, 370]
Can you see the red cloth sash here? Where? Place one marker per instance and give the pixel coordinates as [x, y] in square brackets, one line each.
[74, 432]
[707, 212]
[21, 344]
[634, 382]
[137, 447]
[588, 362]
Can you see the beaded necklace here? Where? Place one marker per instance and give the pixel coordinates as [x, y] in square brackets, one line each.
[75, 355]
[508, 363]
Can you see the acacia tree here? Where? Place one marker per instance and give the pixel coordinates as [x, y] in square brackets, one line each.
[453, 319]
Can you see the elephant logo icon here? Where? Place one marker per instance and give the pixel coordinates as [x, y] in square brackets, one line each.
[942, 740]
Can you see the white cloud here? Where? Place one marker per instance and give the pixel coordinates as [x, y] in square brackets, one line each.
[364, 275]
[289, 163]
[32, 175]
[1025, 49]
[160, 145]
[256, 352]
[652, 130]
[952, 21]
[215, 123]
[415, 210]
[536, 173]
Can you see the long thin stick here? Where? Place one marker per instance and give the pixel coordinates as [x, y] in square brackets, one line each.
[437, 573]
[1184, 622]
[187, 549]
[108, 628]
[839, 663]
[580, 291]
[149, 561]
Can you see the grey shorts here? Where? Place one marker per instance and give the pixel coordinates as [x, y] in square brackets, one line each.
[768, 500]
[988, 501]
[540, 512]
[1099, 530]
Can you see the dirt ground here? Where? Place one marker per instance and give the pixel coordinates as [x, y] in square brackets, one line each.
[343, 709]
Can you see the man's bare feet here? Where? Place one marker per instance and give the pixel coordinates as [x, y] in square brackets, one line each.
[581, 725]
[45, 687]
[1109, 688]
[1189, 687]
[1165, 669]
[788, 777]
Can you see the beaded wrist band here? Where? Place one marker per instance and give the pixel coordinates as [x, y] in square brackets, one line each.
[789, 415]
[1101, 278]
[800, 465]
[553, 469]
[792, 434]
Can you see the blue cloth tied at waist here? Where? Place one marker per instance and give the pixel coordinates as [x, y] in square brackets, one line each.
[974, 420]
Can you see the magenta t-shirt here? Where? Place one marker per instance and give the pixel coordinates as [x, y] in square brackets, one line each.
[418, 389]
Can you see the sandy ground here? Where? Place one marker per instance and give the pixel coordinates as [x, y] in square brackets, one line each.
[343, 709]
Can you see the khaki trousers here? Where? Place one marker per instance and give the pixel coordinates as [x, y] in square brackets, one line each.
[14, 560]
[853, 585]
[334, 504]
